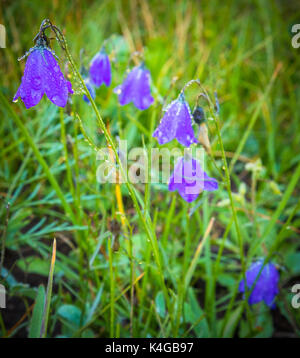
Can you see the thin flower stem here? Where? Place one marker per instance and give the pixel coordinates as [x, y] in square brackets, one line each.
[128, 236]
[112, 289]
[144, 220]
[215, 116]
[234, 215]
[64, 142]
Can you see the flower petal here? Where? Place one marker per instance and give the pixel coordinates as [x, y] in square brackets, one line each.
[266, 285]
[136, 88]
[184, 133]
[142, 98]
[56, 87]
[100, 69]
[166, 130]
[31, 89]
[189, 179]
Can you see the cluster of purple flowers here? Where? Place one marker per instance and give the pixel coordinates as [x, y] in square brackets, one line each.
[42, 75]
[135, 87]
[188, 176]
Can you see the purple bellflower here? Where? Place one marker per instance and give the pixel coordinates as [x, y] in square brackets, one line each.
[91, 89]
[136, 88]
[43, 75]
[176, 123]
[190, 180]
[100, 69]
[266, 286]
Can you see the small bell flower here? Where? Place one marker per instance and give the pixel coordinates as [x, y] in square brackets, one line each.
[136, 88]
[190, 179]
[176, 123]
[266, 286]
[100, 69]
[42, 75]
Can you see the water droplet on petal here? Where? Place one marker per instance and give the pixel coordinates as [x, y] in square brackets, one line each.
[36, 82]
[34, 93]
[55, 98]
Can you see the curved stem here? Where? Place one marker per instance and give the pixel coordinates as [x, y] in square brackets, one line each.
[145, 220]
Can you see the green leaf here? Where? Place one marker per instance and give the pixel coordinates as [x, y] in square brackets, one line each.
[37, 315]
[232, 322]
[293, 262]
[201, 328]
[160, 304]
[70, 313]
[34, 265]
[226, 280]
[49, 292]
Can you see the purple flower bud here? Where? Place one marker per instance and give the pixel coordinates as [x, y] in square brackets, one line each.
[91, 89]
[43, 75]
[176, 123]
[136, 88]
[266, 286]
[100, 69]
[190, 180]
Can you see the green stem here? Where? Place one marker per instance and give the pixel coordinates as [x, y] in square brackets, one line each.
[112, 289]
[64, 142]
[145, 221]
[239, 236]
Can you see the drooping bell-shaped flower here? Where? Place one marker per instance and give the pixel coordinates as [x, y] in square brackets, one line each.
[43, 75]
[190, 179]
[100, 69]
[176, 123]
[136, 88]
[91, 89]
[266, 286]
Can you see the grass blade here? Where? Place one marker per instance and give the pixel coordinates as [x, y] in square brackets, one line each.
[49, 293]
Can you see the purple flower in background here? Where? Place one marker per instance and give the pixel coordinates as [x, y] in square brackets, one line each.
[176, 123]
[100, 70]
[136, 88]
[266, 286]
[91, 89]
[190, 180]
[43, 75]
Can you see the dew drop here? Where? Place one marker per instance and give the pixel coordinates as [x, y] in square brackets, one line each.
[55, 98]
[36, 82]
[34, 93]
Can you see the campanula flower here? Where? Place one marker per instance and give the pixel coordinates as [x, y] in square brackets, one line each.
[100, 69]
[266, 286]
[176, 123]
[43, 75]
[190, 179]
[136, 88]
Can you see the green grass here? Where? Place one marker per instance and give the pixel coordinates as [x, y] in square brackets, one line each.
[163, 268]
